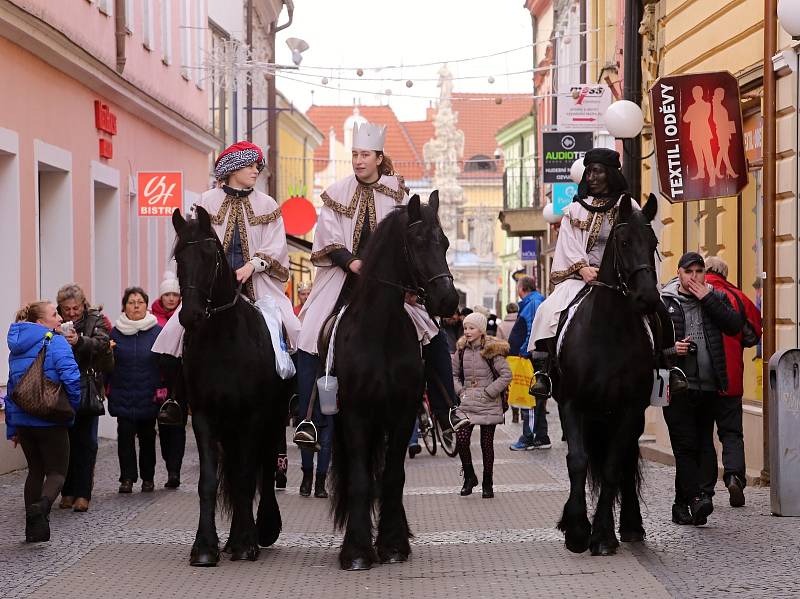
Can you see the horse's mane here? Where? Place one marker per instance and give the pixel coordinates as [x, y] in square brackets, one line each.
[192, 232]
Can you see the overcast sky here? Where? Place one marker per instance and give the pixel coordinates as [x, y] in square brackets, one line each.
[370, 34]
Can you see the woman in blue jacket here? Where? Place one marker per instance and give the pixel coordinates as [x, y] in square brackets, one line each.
[132, 389]
[45, 444]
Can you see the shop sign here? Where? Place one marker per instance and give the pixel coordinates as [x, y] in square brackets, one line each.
[697, 123]
[105, 121]
[560, 151]
[563, 194]
[754, 138]
[583, 107]
[159, 193]
[528, 249]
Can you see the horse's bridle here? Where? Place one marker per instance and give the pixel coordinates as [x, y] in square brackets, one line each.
[415, 288]
[623, 277]
[211, 310]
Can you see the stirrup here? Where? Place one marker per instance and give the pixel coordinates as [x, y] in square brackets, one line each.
[684, 380]
[544, 379]
[461, 423]
[303, 439]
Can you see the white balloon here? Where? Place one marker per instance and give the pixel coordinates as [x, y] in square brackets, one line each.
[624, 119]
[789, 16]
[549, 214]
[576, 170]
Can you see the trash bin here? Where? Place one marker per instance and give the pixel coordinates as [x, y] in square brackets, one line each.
[784, 427]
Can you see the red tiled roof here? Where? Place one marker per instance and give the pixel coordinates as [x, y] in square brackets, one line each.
[479, 117]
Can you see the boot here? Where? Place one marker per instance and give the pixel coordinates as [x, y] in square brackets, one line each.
[488, 491]
[37, 521]
[319, 486]
[542, 388]
[470, 480]
[280, 471]
[81, 505]
[305, 484]
[66, 502]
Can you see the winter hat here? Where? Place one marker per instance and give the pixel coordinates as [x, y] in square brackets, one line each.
[169, 284]
[477, 320]
[237, 156]
[482, 310]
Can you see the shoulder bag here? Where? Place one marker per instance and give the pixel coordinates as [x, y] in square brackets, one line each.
[39, 396]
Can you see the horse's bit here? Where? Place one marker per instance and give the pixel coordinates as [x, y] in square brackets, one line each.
[211, 310]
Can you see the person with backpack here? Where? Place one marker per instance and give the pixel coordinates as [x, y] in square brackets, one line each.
[727, 408]
[45, 443]
[481, 376]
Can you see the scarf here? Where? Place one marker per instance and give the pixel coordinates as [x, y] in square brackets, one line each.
[126, 326]
[237, 193]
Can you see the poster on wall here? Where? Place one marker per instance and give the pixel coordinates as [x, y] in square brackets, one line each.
[697, 121]
[159, 192]
[560, 151]
[583, 107]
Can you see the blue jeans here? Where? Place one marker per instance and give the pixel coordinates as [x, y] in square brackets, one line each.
[540, 421]
[527, 433]
[415, 434]
[308, 370]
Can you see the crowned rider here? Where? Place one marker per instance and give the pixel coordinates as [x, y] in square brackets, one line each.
[250, 226]
[351, 210]
[582, 238]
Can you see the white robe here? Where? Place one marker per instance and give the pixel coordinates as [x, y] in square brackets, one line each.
[263, 236]
[346, 205]
[577, 237]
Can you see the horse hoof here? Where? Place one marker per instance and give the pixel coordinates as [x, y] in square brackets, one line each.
[604, 549]
[247, 554]
[204, 559]
[631, 536]
[358, 564]
[576, 546]
[394, 557]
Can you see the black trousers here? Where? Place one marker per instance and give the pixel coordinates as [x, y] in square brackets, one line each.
[727, 412]
[690, 419]
[439, 374]
[127, 432]
[172, 440]
[82, 457]
[46, 450]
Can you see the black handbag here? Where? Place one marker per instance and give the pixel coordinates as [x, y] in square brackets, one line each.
[91, 396]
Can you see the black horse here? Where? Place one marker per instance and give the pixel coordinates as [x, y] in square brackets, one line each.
[380, 373]
[605, 379]
[237, 399]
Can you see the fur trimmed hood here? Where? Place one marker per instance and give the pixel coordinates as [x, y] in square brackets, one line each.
[492, 346]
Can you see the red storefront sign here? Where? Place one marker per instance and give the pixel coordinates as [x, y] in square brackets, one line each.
[697, 123]
[159, 192]
[105, 121]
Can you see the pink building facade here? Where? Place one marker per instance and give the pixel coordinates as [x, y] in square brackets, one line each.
[67, 178]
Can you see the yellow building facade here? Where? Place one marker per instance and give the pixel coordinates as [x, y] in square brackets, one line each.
[696, 36]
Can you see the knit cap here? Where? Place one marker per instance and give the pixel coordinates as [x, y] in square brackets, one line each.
[169, 284]
[477, 320]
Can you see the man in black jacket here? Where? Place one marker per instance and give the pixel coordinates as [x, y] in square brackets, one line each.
[700, 316]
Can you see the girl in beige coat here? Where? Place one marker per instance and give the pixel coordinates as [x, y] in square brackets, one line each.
[480, 374]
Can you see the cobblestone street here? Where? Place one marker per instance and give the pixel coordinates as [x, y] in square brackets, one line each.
[138, 545]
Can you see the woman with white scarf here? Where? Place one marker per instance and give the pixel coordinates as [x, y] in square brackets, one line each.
[132, 389]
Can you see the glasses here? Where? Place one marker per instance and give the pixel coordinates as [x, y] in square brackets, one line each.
[136, 303]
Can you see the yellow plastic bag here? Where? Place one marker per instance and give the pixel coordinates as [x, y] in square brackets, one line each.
[522, 378]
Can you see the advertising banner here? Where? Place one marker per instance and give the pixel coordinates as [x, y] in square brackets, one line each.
[563, 194]
[584, 107]
[159, 192]
[560, 151]
[697, 123]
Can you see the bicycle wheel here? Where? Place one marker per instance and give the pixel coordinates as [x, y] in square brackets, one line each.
[448, 440]
[426, 428]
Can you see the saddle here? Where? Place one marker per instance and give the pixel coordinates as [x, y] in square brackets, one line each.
[566, 315]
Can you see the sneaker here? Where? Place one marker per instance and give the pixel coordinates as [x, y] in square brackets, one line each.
[736, 490]
[520, 445]
[126, 486]
[541, 443]
[173, 481]
[680, 514]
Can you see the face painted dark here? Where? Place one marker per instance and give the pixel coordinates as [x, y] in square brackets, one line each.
[597, 179]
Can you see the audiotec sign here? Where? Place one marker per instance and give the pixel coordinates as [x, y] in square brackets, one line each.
[159, 192]
[560, 151]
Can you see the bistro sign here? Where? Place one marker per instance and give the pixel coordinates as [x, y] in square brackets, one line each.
[698, 136]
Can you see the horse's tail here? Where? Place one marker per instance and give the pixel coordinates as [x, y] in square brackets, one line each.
[342, 481]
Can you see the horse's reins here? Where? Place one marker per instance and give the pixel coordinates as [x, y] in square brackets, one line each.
[211, 310]
[623, 278]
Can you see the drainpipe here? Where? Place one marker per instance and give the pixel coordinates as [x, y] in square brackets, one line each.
[768, 304]
[120, 33]
[272, 126]
[249, 86]
[632, 89]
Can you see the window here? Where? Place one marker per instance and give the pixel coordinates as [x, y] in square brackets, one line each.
[219, 99]
[147, 24]
[480, 163]
[106, 7]
[129, 16]
[166, 31]
[186, 48]
[200, 41]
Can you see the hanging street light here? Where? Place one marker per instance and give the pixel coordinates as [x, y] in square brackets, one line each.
[624, 119]
[789, 16]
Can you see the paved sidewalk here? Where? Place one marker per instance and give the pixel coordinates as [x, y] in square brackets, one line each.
[138, 545]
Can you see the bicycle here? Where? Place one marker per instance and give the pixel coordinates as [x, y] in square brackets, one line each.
[431, 433]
